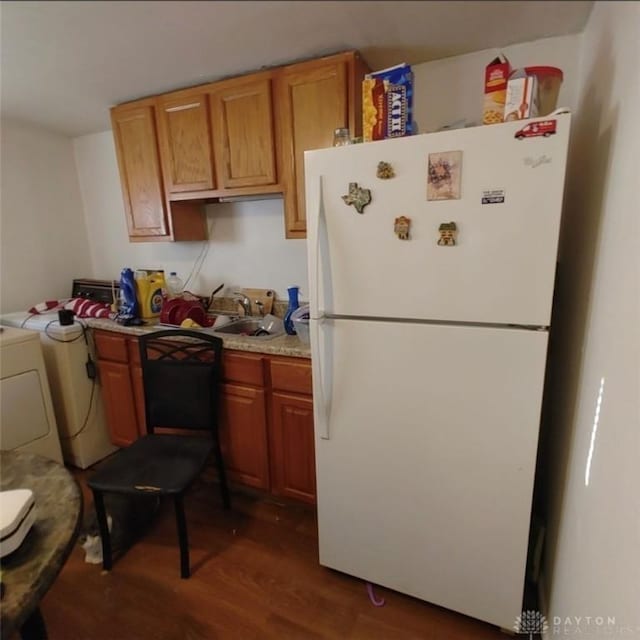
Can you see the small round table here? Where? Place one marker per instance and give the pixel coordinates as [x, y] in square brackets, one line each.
[29, 571]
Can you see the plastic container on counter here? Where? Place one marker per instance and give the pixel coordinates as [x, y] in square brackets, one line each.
[549, 81]
[294, 304]
[300, 319]
[175, 285]
[128, 300]
[149, 289]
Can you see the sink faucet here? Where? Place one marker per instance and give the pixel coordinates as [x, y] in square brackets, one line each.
[260, 306]
[244, 302]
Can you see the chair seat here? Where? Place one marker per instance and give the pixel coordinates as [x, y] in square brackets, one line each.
[156, 463]
[181, 376]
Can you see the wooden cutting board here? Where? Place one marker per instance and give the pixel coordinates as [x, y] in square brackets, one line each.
[265, 296]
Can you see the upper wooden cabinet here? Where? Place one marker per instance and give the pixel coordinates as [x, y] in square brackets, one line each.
[150, 217]
[238, 137]
[313, 99]
[134, 130]
[243, 138]
[185, 141]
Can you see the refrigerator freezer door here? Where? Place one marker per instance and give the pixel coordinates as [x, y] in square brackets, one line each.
[500, 271]
[425, 457]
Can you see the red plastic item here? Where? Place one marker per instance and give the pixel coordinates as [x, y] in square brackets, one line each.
[545, 71]
[176, 310]
[549, 81]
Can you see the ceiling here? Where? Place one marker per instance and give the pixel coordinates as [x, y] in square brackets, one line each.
[63, 64]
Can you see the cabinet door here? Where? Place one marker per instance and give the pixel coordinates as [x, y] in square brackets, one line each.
[243, 435]
[242, 123]
[185, 141]
[313, 102]
[293, 471]
[134, 131]
[119, 405]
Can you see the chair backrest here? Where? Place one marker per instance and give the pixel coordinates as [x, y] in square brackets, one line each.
[181, 375]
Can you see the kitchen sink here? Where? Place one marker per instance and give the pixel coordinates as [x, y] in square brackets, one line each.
[249, 328]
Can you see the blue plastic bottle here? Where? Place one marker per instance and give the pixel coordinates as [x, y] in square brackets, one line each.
[128, 299]
[293, 305]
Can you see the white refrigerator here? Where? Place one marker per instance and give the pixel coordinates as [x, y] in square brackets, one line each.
[429, 356]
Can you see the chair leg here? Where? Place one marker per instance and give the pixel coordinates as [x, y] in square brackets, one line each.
[183, 538]
[101, 514]
[222, 475]
[34, 627]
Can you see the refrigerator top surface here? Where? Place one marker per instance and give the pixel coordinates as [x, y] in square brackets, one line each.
[481, 249]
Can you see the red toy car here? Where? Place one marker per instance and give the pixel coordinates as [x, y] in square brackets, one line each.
[542, 128]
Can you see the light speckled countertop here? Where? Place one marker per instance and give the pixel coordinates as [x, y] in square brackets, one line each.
[280, 346]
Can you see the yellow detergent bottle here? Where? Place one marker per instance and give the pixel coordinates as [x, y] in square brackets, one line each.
[150, 286]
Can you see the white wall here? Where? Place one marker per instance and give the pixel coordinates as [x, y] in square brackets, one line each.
[247, 245]
[592, 560]
[43, 234]
[452, 89]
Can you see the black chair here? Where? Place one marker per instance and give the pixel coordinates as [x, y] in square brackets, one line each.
[181, 373]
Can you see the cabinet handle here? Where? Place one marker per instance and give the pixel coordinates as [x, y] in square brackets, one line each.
[182, 107]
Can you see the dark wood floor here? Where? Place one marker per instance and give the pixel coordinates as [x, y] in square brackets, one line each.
[255, 575]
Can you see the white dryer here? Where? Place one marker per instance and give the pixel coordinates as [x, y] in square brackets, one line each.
[77, 398]
[27, 419]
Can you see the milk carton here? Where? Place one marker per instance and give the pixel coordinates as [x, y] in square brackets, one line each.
[496, 76]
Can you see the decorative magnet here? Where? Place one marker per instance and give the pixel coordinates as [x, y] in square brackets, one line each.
[443, 177]
[358, 197]
[401, 227]
[448, 232]
[544, 128]
[385, 171]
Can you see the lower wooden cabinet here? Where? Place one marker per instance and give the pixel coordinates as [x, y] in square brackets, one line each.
[292, 451]
[266, 414]
[119, 405]
[243, 435]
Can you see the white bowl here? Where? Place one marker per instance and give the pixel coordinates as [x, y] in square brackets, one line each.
[302, 329]
[223, 319]
[272, 324]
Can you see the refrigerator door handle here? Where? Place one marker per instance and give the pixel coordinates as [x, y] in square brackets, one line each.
[320, 263]
[324, 364]
[315, 256]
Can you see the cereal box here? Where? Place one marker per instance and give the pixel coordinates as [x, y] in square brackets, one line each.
[496, 76]
[374, 119]
[387, 103]
[521, 101]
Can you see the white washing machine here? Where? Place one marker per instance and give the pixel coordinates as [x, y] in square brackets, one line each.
[27, 419]
[77, 398]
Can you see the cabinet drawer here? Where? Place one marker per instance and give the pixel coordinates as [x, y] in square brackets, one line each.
[243, 367]
[110, 346]
[291, 375]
